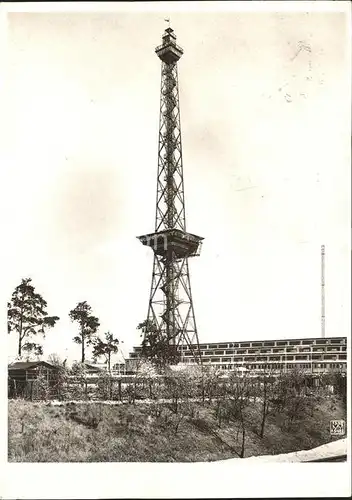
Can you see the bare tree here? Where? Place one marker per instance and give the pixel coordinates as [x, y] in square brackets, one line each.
[267, 388]
[241, 390]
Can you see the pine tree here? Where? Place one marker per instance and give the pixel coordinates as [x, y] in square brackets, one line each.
[156, 347]
[88, 326]
[27, 316]
[107, 348]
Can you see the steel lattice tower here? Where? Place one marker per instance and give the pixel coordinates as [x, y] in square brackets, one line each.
[170, 307]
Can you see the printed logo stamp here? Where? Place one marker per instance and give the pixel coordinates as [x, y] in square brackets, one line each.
[337, 427]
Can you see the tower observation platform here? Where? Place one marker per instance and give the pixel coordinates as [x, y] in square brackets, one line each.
[170, 308]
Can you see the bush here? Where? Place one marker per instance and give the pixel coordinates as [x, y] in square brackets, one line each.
[104, 386]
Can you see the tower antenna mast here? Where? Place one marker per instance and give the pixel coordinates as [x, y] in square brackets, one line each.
[170, 320]
[322, 291]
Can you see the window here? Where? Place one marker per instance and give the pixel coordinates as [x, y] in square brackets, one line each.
[306, 342]
[245, 344]
[215, 360]
[330, 356]
[280, 343]
[269, 344]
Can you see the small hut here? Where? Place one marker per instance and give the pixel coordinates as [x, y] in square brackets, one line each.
[22, 374]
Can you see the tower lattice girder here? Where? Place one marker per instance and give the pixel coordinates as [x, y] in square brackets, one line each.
[170, 306]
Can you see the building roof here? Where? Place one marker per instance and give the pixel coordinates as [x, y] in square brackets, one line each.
[25, 365]
[93, 366]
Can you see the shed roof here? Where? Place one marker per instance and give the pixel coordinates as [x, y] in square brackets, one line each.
[25, 365]
[93, 366]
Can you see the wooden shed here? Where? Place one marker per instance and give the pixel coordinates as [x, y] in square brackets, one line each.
[22, 373]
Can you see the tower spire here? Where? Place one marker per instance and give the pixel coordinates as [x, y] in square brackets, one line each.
[171, 318]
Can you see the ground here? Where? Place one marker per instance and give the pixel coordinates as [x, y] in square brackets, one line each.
[95, 432]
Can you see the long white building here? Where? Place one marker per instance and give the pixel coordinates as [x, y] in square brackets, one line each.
[313, 355]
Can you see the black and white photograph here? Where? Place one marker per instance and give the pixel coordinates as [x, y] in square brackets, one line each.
[176, 184]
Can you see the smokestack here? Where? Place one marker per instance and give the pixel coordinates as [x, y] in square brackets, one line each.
[323, 291]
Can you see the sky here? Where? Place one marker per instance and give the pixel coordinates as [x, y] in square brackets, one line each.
[266, 138]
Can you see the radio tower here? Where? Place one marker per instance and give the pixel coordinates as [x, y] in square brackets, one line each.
[170, 309]
[322, 291]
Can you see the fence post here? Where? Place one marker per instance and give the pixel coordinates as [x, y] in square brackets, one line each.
[31, 390]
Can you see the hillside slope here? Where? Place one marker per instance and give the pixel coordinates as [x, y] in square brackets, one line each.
[140, 433]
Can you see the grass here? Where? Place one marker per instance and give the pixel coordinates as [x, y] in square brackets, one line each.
[133, 433]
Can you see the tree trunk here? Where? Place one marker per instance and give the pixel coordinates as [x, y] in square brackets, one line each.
[243, 438]
[83, 349]
[19, 345]
[265, 411]
[20, 330]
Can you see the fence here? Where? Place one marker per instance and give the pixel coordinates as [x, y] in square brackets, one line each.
[93, 386]
[88, 386]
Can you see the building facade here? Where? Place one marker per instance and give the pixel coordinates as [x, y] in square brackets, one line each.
[312, 355]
